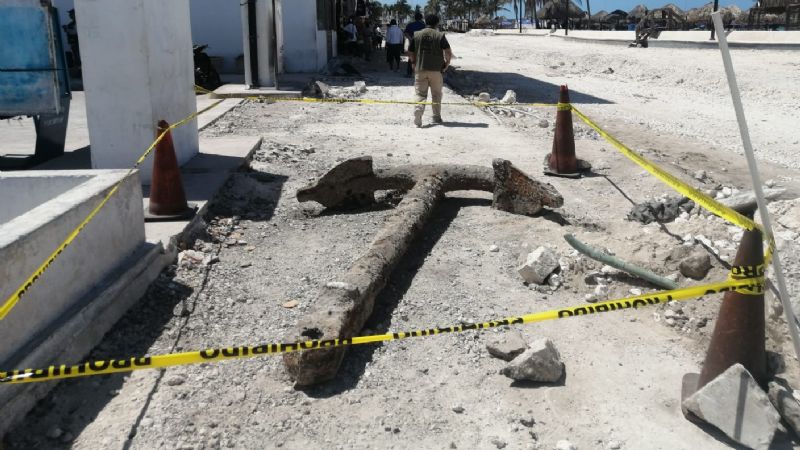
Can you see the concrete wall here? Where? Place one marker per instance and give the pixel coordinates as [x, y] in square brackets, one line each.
[137, 69]
[300, 45]
[218, 24]
[28, 194]
[27, 240]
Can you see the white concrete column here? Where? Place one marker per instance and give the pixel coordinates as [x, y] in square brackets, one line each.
[265, 42]
[138, 68]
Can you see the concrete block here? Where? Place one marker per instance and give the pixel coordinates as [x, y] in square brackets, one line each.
[507, 346]
[541, 362]
[539, 265]
[737, 406]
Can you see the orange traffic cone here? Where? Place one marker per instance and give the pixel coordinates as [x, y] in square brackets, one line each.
[167, 198]
[562, 161]
[739, 335]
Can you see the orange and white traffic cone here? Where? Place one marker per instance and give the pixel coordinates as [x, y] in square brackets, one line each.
[739, 334]
[562, 161]
[167, 197]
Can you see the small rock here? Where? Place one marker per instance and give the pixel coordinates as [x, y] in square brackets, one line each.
[528, 423]
[494, 248]
[696, 266]
[484, 97]
[291, 304]
[458, 409]
[54, 433]
[539, 265]
[510, 97]
[787, 405]
[735, 404]
[507, 346]
[700, 175]
[635, 291]
[601, 292]
[543, 123]
[499, 443]
[541, 362]
[360, 87]
[565, 445]
[613, 445]
[176, 380]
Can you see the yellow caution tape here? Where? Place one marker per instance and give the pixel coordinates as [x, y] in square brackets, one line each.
[753, 286]
[15, 297]
[701, 199]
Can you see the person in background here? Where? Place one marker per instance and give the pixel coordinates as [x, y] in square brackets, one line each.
[366, 44]
[377, 37]
[394, 46]
[430, 56]
[412, 28]
[352, 37]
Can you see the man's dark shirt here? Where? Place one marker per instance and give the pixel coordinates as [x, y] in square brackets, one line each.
[413, 27]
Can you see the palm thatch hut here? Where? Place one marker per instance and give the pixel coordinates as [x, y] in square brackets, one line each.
[600, 16]
[674, 8]
[617, 19]
[637, 12]
[700, 15]
[554, 10]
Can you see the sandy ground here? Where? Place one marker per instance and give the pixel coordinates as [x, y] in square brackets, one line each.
[623, 370]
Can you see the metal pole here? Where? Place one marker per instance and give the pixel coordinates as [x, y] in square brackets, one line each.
[716, 7]
[756, 177]
[519, 18]
[566, 17]
[253, 42]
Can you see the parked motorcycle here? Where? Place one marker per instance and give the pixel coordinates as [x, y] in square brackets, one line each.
[205, 75]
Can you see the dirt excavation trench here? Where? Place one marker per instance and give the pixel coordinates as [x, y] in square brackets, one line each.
[263, 258]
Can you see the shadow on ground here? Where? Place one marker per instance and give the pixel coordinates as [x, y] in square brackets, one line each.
[528, 90]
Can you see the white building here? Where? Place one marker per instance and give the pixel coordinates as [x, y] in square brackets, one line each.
[303, 34]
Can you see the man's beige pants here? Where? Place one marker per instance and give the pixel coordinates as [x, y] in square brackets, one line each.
[424, 79]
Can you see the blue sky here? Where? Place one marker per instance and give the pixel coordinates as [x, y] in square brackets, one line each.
[627, 5]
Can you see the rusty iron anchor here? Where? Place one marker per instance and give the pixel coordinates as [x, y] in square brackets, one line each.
[343, 306]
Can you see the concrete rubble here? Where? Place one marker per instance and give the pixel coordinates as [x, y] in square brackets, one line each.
[782, 398]
[507, 346]
[735, 404]
[538, 265]
[540, 363]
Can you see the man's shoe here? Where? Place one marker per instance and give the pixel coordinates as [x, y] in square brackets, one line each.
[418, 122]
[437, 120]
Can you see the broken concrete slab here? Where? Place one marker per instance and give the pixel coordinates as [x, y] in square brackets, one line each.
[735, 404]
[780, 394]
[507, 346]
[541, 363]
[539, 264]
[745, 202]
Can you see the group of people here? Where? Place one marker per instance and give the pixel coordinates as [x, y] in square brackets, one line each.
[361, 37]
[429, 56]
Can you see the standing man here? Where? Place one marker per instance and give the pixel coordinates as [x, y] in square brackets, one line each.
[430, 56]
[394, 45]
[410, 30]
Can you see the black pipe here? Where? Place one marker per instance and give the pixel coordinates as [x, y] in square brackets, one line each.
[253, 39]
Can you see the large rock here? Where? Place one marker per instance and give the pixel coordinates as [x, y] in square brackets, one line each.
[696, 265]
[735, 404]
[539, 265]
[507, 346]
[541, 362]
[782, 399]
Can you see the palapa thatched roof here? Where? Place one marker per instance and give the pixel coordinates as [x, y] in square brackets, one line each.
[554, 9]
[637, 12]
[674, 8]
[600, 16]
